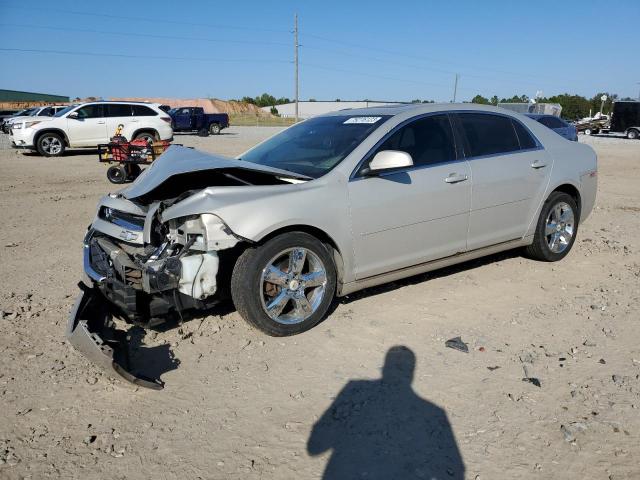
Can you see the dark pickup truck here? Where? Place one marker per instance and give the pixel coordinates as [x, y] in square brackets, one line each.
[193, 119]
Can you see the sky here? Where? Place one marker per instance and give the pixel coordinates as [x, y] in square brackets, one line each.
[349, 49]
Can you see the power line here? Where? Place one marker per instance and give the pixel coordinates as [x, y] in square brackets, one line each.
[147, 35]
[417, 57]
[147, 57]
[145, 19]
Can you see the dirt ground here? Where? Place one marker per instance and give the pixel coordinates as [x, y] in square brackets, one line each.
[240, 405]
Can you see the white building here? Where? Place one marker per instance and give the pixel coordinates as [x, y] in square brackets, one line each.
[312, 109]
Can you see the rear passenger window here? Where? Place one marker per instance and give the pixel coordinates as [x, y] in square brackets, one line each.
[488, 134]
[118, 110]
[142, 111]
[428, 140]
[525, 138]
[46, 112]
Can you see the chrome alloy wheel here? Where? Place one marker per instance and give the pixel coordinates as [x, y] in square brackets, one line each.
[293, 285]
[560, 227]
[51, 145]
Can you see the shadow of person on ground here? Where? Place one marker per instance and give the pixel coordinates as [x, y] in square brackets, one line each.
[380, 429]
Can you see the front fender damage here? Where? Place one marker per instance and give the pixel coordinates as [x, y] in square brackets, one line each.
[92, 331]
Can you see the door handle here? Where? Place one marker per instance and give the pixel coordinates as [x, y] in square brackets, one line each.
[101, 122]
[538, 164]
[134, 120]
[455, 178]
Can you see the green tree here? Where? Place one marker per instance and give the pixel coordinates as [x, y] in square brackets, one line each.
[480, 99]
[494, 100]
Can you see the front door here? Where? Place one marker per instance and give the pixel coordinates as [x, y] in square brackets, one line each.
[411, 216]
[182, 119]
[89, 128]
[510, 172]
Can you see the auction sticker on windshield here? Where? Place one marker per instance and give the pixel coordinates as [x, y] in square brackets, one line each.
[362, 120]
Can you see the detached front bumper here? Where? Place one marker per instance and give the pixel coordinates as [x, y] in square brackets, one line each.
[92, 332]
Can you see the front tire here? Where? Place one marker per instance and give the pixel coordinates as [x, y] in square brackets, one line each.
[50, 145]
[285, 286]
[556, 229]
[633, 134]
[214, 129]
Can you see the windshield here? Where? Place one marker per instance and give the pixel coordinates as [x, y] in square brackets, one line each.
[315, 146]
[65, 110]
[27, 113]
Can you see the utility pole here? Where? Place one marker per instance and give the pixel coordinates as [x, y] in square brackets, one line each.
[295, 41]
[455, 88]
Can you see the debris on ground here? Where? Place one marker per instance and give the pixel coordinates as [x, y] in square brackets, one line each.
[457, 344]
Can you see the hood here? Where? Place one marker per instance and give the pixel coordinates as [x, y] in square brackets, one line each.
[28, 119]
[190, 169]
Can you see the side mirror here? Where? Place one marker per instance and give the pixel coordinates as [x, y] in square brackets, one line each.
[73, 115]
[388, 160]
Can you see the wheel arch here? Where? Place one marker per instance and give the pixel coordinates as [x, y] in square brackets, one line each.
[572, 191]
[137, 132]
[40, 133]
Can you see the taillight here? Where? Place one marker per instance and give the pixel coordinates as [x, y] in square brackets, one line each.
[166, 119]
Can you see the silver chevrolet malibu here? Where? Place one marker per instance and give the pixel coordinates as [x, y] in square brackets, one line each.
[332, 205]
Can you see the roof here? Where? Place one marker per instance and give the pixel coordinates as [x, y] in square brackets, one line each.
[418, 108]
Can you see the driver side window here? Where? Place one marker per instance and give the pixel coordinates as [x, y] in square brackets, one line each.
[429, 140]
[90, 111]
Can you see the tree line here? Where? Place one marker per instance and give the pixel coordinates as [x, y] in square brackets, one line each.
[573, 106]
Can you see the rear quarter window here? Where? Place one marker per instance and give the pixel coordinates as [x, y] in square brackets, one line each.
[143, 111]
[524, 137]
[488, 134]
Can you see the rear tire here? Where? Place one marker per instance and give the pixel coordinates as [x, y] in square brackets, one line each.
[214, 129]
[50, 145]
[556, 229]
[285, 286]
[587, 131]
[633, 134]
[148, 136]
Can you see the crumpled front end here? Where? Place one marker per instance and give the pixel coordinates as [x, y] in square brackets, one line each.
[144, 270]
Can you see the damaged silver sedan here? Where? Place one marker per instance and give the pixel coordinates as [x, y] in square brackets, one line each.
[329, 206]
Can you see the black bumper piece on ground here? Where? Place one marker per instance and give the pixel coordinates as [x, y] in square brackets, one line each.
[92, 332]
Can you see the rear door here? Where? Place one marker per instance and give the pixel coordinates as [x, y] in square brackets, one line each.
[89, 128]
[510, 171]
[410, 216]
[119, 114]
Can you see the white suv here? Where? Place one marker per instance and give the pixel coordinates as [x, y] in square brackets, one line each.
[46, 111]
[89, 124]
